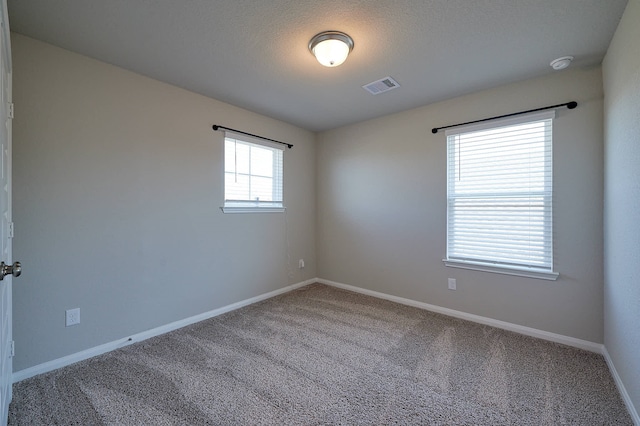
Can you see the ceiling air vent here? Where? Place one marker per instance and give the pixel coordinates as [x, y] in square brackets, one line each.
[381, 86]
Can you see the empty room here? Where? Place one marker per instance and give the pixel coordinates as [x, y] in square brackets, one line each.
[241, 212]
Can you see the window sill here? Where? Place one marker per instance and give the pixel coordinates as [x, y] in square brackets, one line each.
[252, 209]
[485, 267]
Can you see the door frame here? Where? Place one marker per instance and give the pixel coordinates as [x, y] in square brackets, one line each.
[7, 233]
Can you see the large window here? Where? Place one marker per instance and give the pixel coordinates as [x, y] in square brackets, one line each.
[252, 175]
[499, 213]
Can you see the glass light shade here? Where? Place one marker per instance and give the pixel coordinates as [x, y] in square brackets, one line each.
[331, 48]
[331, 53]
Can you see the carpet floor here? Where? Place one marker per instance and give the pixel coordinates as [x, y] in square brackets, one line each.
[321, 355]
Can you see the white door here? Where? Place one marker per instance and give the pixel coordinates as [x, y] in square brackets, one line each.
[6, 226]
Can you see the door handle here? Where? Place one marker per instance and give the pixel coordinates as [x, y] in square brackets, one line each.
[15, 270]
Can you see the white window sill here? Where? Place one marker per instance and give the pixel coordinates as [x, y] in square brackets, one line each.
[252, 209]
[520, 272]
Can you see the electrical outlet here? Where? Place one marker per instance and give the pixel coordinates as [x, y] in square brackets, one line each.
[452, 283]
[300, 263]
[72, 317]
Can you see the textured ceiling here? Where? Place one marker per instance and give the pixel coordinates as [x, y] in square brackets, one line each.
[253, 53]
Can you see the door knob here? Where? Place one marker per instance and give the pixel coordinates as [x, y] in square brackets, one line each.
[15, 269]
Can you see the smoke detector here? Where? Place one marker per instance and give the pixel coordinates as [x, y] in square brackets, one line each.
[561, 63]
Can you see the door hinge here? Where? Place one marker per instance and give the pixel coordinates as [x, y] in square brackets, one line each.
[10, 109]
[13, 349]
[10, 229]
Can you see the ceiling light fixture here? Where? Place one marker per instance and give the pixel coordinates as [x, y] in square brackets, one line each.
[561, 63]
[331, 48]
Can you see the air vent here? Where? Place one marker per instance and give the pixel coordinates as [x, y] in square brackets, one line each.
[381, 86]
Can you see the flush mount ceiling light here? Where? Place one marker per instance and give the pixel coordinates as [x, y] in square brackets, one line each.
[561, 63]
[331, 48]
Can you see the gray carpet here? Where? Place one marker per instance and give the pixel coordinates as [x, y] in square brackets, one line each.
[321, 355]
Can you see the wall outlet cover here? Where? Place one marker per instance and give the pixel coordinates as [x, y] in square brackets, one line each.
[72, 317]
[452, 283]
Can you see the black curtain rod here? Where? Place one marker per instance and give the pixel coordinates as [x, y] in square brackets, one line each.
[570, 105]
[216, 127]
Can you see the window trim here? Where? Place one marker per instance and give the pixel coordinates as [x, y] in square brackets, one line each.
[237, 209]
[488, 266]
[520, 271]
[238, 206]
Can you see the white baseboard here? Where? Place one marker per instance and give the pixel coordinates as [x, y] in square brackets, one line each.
[623, 391]
[528, 331]
[116, 344]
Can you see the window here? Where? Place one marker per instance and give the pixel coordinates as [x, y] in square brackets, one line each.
[252, 175]
[499, 190]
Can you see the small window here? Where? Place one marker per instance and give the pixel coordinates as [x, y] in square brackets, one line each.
[499, 190]
[253, 175]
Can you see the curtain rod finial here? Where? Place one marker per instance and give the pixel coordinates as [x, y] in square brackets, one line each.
[572, 104]
[434, 130]
[215, 127]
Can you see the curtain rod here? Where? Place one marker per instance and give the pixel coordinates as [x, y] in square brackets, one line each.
[570, 105]
[216, 127]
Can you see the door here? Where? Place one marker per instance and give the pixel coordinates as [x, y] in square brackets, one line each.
[6, 226]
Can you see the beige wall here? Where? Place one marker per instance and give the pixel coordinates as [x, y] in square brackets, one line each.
[382, 208]
[117, 189]
[621, 70]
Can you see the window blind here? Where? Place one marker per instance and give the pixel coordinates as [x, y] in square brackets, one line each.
[500, 193]
[253, 173]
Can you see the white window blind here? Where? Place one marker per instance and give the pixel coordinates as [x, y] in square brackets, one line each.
[253, 174]
[499, 190]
